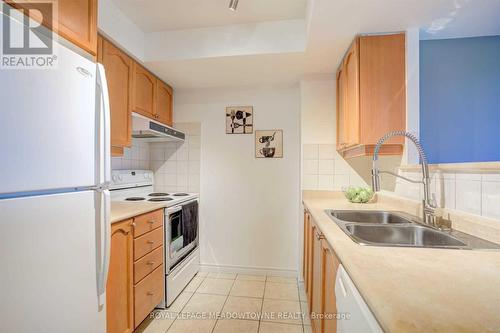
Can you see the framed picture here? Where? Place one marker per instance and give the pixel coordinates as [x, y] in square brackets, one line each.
[239, 120]
[269, 144]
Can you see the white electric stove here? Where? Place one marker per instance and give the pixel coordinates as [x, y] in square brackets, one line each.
[181, 259]
[138, 186]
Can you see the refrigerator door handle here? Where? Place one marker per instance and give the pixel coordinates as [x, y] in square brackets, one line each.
[104, 243]
[104, 116]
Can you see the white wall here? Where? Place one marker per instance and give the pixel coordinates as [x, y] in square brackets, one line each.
[120, 29]
[248, 217]
[318, 109]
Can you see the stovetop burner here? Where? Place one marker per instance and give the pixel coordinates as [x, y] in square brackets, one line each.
[160, 199]
[135, 199]
[158, 194]
[180, 194]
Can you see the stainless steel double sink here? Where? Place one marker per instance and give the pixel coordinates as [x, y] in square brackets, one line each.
[385, 228]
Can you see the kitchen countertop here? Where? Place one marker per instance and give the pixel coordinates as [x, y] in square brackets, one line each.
[415, 289]
[124, 210]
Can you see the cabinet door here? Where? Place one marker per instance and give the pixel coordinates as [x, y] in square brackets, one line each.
[119, 73]
[119, 292]
[144, 91]
[163, 105]
[317, 281]
[310, 260]
[305, 249]
[330, 267]
[351, 67]
[341, 111]
[76, 21]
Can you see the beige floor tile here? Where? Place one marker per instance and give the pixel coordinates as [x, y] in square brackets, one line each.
[204, 304]
[202, 274]
[266, 327]
[248, 277]
[307, 329]
[192, 326]
[194, 284]
[248, 288]
[179, 302]
[216, 275]
[215, 286]
[236, 326]
[281, 291]
[282, 279]
[247, 308]
[158, 325]
[281, 311]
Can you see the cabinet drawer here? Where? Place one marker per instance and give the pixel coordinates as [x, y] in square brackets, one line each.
[148, 222]
[148, 294]
[147, 264]
[147, 243]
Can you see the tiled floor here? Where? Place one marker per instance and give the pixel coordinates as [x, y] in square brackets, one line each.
[232, 303]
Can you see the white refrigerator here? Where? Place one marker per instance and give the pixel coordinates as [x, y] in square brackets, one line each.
[54, 201]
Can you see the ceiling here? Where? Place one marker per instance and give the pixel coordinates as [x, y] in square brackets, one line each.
[237, 71]
[334, 23]
[158, 15]
[331, 26]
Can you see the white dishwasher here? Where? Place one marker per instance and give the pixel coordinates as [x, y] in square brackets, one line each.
[357, 317]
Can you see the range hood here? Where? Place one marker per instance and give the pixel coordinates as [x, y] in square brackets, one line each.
[153, 131]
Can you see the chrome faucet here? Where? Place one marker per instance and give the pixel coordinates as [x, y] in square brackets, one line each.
[428, 203]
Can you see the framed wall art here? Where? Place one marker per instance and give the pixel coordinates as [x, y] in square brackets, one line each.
[239, 120]
[269, 144]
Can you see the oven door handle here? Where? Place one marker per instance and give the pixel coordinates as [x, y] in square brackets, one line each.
[177, 208]
[174, 210]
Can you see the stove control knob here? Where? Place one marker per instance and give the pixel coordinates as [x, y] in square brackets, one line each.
[115, 178]
[120, 177]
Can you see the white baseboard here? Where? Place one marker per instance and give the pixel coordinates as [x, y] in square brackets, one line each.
[247, 270]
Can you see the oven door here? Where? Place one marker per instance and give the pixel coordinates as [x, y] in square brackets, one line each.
[174, 240]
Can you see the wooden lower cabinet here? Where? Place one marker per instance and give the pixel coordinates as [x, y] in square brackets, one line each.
[136, 280]
[321, 265]
[119, 288]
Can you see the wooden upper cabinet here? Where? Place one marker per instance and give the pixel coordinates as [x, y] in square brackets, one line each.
[164, 103]
[371, 95]
[76, 21]
[341, 110]
[119, 288]
[119, 75]
[351, 68]
[144, 92]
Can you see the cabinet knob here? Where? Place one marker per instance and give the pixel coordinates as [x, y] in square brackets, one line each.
[150, 263]
[151, 221]
[150, 293]
[151, 242]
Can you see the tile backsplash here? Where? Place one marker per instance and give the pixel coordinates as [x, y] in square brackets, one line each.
[472, 193]
[324, 169]
[176, 165]
[135, 157]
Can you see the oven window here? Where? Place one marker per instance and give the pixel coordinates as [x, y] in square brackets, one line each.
[175, 225]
